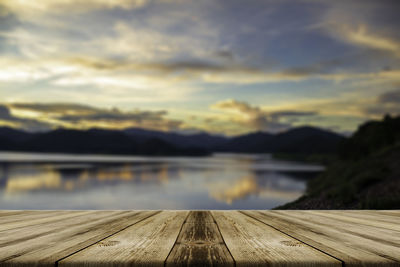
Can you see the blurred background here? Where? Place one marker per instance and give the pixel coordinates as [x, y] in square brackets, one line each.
[170, 104]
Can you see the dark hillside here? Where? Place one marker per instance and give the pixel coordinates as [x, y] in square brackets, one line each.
[93, 141]
[366, 176]
[302, 140]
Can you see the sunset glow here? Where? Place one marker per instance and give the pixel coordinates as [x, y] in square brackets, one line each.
[225, 67]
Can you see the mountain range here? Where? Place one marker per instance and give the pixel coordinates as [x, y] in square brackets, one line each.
[136, 141]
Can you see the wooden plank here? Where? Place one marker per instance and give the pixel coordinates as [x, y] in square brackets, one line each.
[372, 229]
[26, 215]
[252, 243]
[44, 245]
[388, 240]
[200, 243]
[379, 221]
[4, 213]
[384, 212]
[37, 218]
[388, 214]
[144, 244]
[343, 242]
[29, 232]
[289, 238]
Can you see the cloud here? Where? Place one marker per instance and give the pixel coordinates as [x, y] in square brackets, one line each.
[28, 8]
[117, 82]
[57, 108]
[364, 24]
[198, 70]
[362, 36]
[167, 67]
[124, 80]
[390, 97]
[290, 113]
[256, 118]
[4, 112]
[241, 106]
[233, 117]
[83, 116]
[8, 119]
[146, 61]
[142, 58]
[385, 103]
[251, 116]
[114, 116]
[168, 54]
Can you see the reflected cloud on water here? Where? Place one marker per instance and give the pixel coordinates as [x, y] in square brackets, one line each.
[43, 177]
[219, 182]
[274, 186]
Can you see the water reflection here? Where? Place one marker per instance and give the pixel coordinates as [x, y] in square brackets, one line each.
[271, 185]
[224, 181]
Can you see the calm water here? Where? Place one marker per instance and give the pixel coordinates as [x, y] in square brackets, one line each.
[221, 181]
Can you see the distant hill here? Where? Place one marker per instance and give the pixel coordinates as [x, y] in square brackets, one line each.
[11, 138]
[199, 140]
[135, 141]
[303, 140]
[366, 175]
[13, 134]
[93, 141]
[249, 143]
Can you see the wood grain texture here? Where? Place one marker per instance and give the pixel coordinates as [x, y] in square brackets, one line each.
[253, 243]
[200, 243]
[383, 212]
[358, 218]
[4, 213]
[200, 238]
[31, 219]
[144, 244]
[6, 217]
[46, 243]
[352, 243]
[384, 242]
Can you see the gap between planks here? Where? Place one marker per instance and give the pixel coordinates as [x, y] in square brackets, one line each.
[201, 238]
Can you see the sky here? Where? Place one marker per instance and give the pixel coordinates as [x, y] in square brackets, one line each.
[222, 66]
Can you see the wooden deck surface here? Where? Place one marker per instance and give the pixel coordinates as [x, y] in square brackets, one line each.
[199, 238]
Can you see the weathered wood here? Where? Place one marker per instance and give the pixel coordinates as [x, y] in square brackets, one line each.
[357, 218]
[6, 217]
[200, 243]
[144, 244]
[29, 219]
[384, 212]
[253, 243]
[45, 244]
[217, 238]
[368, 237]
[341, 240]
[368, 231]
[30, 232]
[4, 213]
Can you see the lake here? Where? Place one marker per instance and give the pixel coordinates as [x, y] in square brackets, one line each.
[220, 181]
